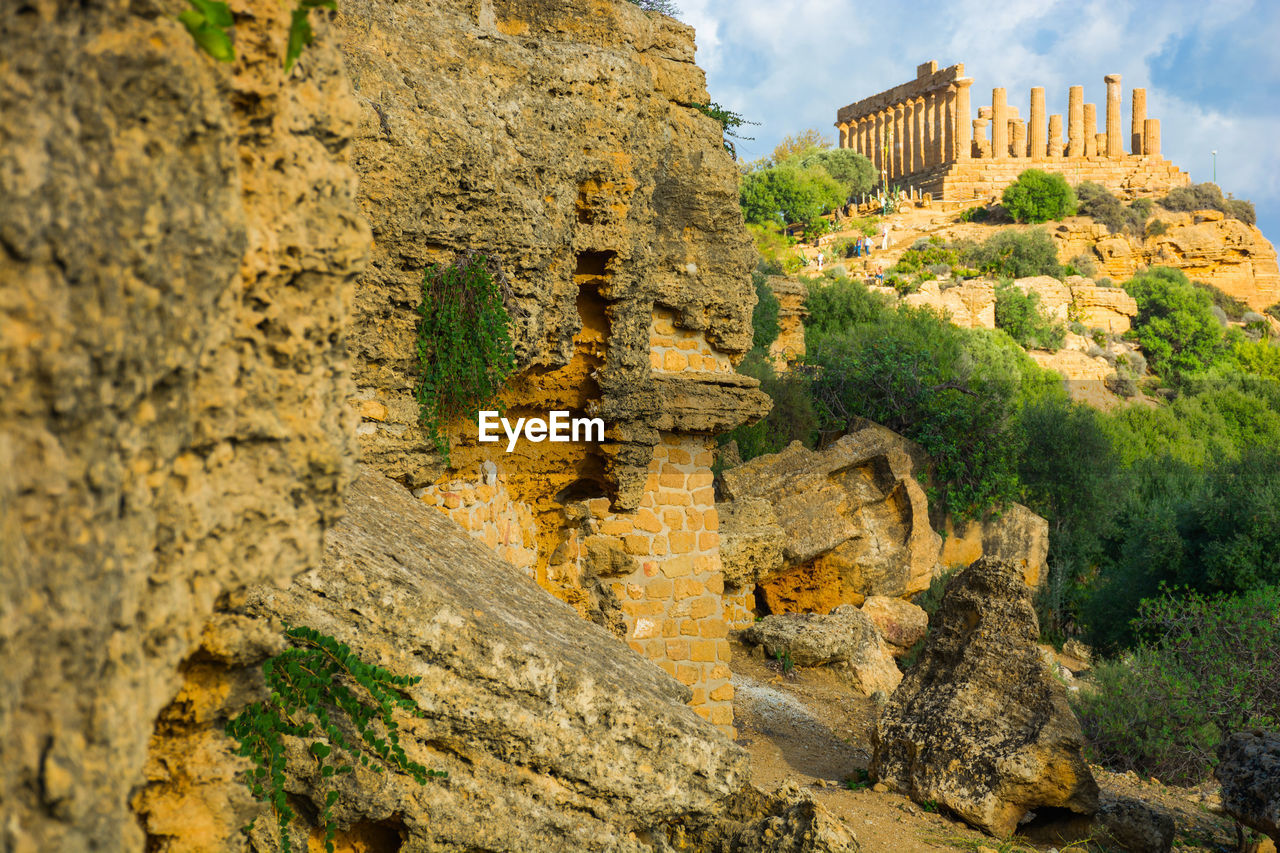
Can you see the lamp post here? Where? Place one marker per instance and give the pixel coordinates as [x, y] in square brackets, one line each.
[1214, 152]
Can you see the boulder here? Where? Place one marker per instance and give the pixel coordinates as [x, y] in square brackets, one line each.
[1122, 823]
[1017, 535]
[536, 714]
[901, 623]
[846, 639]
[751, 541]
[852, 515]
[1249, 769]
[979, 725]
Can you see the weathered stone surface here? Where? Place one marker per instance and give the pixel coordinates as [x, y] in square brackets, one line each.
[899, 622]
[178, 242]
[1111, 309]
[970, 304]
[856, 508]
[1121, 823]
[1017, 535]
[1249, 769]
[789, 345]
[531, 710]
[846, 639]
[607, 203]
[1205, 245]
[979, 725]
[751, 541]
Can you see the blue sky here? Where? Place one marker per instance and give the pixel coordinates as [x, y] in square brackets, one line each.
[1211, 69]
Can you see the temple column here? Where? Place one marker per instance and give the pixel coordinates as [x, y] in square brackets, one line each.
[877, 128]
[931, 130]
[899, 131]
[1036, 135]
[844, 135]
[999, 124]
[1055, 137]
[1139, 117]
[1115, 146]
[1017, 138]
[918, 146]
[1090, 130]
[1151, 137]
[1075, 121]
[946, 133]
[908, 137]
[964, 143]
[864, 135]
[980, 137]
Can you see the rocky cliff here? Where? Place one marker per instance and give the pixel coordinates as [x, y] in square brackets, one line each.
[178, 244]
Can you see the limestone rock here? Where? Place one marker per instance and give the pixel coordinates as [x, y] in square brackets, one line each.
[1208, 247]
[846, 638]
[179, 241]
[1017, 535]
[853, 514]
[751, 541]
[789, 345]
[901, 623]
[1111, 309]
[979, 725]
[1249, 769]
[971, 304]
[1121, 823]
[602, 218]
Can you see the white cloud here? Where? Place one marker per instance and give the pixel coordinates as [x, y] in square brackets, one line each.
[790, 65]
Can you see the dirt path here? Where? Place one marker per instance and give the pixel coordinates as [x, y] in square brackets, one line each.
[807, 727]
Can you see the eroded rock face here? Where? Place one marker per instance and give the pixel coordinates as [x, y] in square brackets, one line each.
[1204, 244]
[555, 736]
[560, 139]
[1249, 770]
[178, 242]
[901, 623]
[979, 725]
[845, 639]
[853, 518]
[1016, 535]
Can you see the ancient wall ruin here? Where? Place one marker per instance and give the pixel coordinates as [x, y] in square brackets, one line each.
[620, 234]
[921, 134]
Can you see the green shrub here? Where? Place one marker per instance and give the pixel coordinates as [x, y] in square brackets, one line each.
[1205, 667]
[926, 254]
[1175, 323]
[209, 20]
[1096, 201]
[1232, 307]
[1015, 254]
[975, 214]
[666, 7]
[788, 194]
[1038, 196]
[764, 317]
[319, 691]
[465, 352]
[1019, 314]
[1208, 196]
[842, 305]
[1156, 228]
[792, 417]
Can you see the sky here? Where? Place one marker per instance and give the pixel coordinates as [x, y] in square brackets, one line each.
[1211, 69]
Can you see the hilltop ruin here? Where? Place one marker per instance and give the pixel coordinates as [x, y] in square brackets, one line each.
[921, 135]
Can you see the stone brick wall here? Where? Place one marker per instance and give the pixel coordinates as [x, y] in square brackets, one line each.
[673, 349]
[981, 179]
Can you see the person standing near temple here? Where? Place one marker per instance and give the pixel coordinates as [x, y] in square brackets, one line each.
[885, 228]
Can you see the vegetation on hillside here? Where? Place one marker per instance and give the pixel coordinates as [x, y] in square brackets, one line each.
[1038, 196]
[803, 181]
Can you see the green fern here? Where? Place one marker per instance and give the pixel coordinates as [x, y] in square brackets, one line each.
[314, 687]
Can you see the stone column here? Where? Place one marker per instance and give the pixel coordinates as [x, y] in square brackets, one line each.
[999, 124]
[931, 158]
[1075, 121]
[908, 137]
[918, 146]
[1136, 126]
[942, 144]
[1090, 130]
[844, 135]
[899, 134]
[963, 141]
[1036, 134]
[877, 129]
[1151, 137]
[860, 136]
[1055, 137]
[1115, 145]
[979, 137]
[1018, 138]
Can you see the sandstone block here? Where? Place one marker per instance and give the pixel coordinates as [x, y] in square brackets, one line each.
[979, 724]
[899, 622]
[846, 639]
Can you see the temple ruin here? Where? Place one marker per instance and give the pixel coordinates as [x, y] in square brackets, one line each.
[921, 135]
